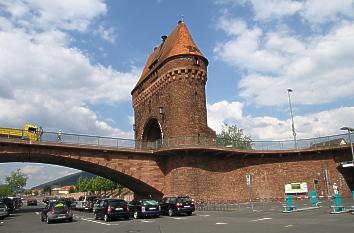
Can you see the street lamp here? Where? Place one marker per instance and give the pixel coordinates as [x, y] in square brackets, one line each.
[292, 118]
[349, 129]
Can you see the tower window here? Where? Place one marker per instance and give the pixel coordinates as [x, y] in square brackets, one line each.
[196, 61]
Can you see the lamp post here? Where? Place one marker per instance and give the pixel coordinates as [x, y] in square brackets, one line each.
[292, 118]
[349, 129]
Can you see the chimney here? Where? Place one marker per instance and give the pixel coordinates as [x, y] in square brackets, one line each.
[163, 37]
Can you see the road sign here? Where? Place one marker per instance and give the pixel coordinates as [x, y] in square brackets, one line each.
[248, 179]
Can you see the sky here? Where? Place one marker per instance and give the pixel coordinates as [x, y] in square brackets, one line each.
[71, 65]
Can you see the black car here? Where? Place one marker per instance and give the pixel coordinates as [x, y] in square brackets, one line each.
[9, 203]
[111, 208]
[4, 212]
[31, 202]
[56, 210]
[177, 205]
[144, 208]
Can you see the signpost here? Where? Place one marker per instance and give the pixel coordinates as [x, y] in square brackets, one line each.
[249, 184]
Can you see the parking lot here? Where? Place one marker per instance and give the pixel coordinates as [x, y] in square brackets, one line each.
[264, 218]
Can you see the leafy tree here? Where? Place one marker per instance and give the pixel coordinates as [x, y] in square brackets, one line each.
[17, 180]
[5, 190]
[71, 189]
[233, 136]
[47, 189]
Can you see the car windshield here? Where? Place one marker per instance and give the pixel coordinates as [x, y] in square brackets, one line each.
[150, 202]
[184, 199]
[117, 203]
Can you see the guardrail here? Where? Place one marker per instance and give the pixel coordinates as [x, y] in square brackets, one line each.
[80, 139]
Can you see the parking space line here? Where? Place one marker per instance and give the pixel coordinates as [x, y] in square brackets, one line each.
[103, 223]
[260, 219]
[221, 223]
[203, 215]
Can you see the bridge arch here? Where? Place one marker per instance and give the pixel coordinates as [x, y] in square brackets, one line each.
[136, 172]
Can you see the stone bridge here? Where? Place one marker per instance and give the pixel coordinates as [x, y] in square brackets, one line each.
[206, 173]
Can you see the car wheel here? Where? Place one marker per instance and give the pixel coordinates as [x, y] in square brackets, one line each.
[42, 219]
[96, 216]
[189, 213]
[136, 215]
[106, 218]
[1, 218]
[170, 212]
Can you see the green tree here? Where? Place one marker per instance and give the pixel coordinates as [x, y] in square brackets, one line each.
[17, 180]
[47, 189]
[5, 190]
[72, 189]
[233, 136]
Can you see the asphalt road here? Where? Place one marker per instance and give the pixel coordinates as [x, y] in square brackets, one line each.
[264, 219]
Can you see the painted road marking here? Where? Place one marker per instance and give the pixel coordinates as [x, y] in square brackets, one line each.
[260, 219]
[37, 213]
[178, 218]
[147, 220]
[203, 215]
[221, 223]
[103, 223]
[1, 222]
[289, 225]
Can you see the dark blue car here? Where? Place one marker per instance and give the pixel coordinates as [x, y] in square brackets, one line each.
[144, 208]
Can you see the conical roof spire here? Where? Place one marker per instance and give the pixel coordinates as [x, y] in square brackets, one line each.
[179, 42]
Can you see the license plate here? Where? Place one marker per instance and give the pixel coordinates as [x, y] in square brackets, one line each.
[61, 216]
[186, 206]
[153, 208]
[119, 208]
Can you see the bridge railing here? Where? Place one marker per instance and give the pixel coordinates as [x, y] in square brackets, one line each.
[80, 139]
[319, 142]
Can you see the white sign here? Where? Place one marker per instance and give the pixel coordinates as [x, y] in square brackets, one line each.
[296, 188]
[248, 179]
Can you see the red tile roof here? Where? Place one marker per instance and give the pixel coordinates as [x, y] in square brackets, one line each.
[179, 42]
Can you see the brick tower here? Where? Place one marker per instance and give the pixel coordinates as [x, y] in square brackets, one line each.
[169, 98]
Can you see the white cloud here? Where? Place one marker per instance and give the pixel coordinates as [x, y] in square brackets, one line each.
[319, 67]
[313, 11]
[319, 12]
[60, 14]
[268, 9]
[47, 80]
[107, 34]
[32, 170]
[244, 48]
[323, 123]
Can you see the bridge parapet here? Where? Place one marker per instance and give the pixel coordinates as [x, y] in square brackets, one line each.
[180, 142]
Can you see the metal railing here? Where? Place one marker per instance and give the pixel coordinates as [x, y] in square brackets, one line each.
[80, 139]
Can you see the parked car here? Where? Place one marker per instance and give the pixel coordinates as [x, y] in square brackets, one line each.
[144, 208]
[177, 205]
[86, 202]
[4, 211]
[112, 208]
[31, 202]
[9, 203]
[56, 210]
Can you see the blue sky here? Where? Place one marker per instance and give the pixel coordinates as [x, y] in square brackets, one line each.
[71, 65]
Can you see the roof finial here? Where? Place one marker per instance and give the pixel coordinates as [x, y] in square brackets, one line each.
[181, 20]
